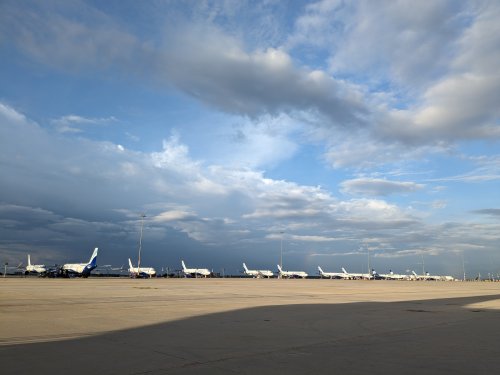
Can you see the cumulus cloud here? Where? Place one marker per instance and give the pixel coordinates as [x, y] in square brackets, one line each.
[216, 69]
[410, 46]
[100, 187]
[429, 68]
[98, 204]
[461, 104]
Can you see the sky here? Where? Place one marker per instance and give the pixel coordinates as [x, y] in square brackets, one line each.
[334, 131]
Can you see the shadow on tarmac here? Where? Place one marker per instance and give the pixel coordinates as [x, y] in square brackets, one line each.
[425, 337]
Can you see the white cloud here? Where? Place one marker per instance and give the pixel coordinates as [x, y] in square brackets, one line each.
[312, 238]
[11, 115]
[73, 123]
[431, 63]
[373, 212]
[174, 215]
[378, 187]
[436, 79]
[209, 203]
[198, 59]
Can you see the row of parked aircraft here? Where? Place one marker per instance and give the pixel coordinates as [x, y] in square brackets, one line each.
[84, 270]
[68, 269]
[387, 276]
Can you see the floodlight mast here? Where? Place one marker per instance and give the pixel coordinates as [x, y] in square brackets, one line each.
[463, 265]
[369, 270]
[143, 215]
[281, 252]
[423, 265]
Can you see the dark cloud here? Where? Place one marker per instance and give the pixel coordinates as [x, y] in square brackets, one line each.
[488, 211]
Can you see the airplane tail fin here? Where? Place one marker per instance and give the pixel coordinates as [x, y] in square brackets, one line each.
[279, 268]
[245, 267]
[130, 263]
[320, 270]
[183, 265]
[343, 270]
[29, 260]
[93, 258]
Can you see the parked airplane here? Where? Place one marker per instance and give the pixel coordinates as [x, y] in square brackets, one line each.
[195, 271]
[428, 276]
[258, 273]
[332, 275]
[35, 268]
[141, 271]
[291, 274]
[425, 276]
[394, 276]
[81, 269]
[448, 278]
[367, 276]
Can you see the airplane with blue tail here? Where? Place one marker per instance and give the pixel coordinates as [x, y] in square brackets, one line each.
[80, 269]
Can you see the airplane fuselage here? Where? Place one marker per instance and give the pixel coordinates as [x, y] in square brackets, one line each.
[82, 269]
[257, 273]
[195, 271]
[331, 275]
[36, 268]
[292, 274]
[143, 271]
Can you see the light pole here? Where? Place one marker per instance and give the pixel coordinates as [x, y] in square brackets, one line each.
[140, 244]
[423, 266]
[281, 252]
[369, 270]
[463, 264]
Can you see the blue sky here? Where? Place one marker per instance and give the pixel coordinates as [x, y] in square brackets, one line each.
[352, 127]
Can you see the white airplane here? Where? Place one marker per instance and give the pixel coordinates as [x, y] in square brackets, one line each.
[394, 276]
[195, 271]
[332, 275]
[258, 273]
[448, 278]
[35, 268]
[141, 271]
[291, 274]
[81, 269]
[368, 276]
[425, 276]
[428, 276]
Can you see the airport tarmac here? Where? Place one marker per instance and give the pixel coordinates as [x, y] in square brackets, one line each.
[248, 326]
